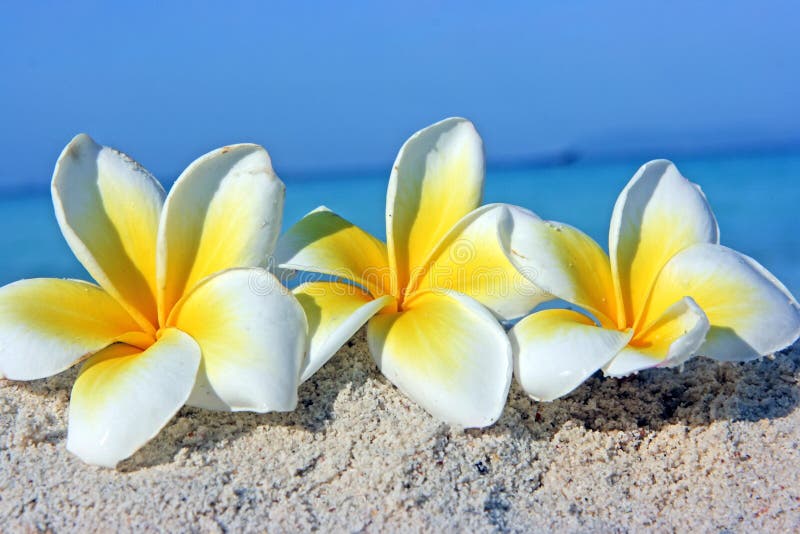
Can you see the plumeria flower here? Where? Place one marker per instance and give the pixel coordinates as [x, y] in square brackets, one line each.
[182, 313]
[668, 292]
[428, 294]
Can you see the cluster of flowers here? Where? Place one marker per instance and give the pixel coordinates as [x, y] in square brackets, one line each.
[188, 309]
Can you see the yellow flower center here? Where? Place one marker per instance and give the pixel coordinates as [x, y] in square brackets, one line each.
[140, 340]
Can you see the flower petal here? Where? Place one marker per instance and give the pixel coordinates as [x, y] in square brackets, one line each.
[335, 311]
[436, 180]
[471, 259]
[323, 242]
[46, 325]
[751, 313]
[124, 396]
[564, 262]
[252, 333]
[658, 214]
[670, 340]
[224, 211]
[556, 350]
[108, 208]
[448, 353]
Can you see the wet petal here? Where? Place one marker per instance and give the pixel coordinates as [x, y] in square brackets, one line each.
[323, 242]
[668, 341]
[335, 311]
[223, 212]
[751, 313]
[448, 353]
[108, 208]
[436, 180]
[124, 396]
[658, 214]
[46, 325]
[472, 260]
[564, 262]
[556, 350]
[252, 333]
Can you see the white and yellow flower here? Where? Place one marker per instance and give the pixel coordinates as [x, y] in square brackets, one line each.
[668, 292]
[183, 313]
[425, 295]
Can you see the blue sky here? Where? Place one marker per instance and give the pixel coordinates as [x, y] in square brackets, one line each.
[342, 84]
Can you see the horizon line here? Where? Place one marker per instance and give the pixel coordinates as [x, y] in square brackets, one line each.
[557, 158]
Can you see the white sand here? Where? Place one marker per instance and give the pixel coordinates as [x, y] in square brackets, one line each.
[712, 448]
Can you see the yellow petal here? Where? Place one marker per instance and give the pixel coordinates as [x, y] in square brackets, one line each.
[123, 396]
[658, 214]
[671, 339]
[472, 260]
[108, 208]
[335, 311]
[46, 325]
[323, 242]
[565, 262]
[436, 180]
[556, 350]
[224, 211]
[448, 353]
[751, 313]
[252, 333]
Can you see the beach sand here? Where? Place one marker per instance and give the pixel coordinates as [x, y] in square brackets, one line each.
[712, 448]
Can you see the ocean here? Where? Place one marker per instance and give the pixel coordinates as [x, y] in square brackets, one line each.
[755, 199]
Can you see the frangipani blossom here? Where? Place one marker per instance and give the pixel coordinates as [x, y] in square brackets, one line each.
[183, 313]
[668, 292]
[426, 295]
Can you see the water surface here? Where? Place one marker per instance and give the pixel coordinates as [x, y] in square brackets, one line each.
[755, 200]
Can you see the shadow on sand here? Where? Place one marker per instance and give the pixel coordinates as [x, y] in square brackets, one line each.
[703, 392]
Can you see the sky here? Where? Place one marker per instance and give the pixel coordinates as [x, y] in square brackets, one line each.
[341, 85]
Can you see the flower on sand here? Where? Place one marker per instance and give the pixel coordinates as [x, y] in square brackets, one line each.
[669, 291]
[428, 295]
[183, 313]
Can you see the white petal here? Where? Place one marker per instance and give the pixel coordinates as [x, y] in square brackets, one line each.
[323, 242]
[629, 361]
[252, 333]
[670, 340]
[47, 325]
[564, 262]
[751, 313]
[108, 208]
[472, 260]
[436, 180]
[658, 214]
[223, 212]
[556, 350]
[335, 311]
[448, 353]
[123, 396]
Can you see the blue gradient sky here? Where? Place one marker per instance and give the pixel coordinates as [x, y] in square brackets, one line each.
[343, 84]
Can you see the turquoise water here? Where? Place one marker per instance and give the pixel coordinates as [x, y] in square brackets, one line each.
[756, 201]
